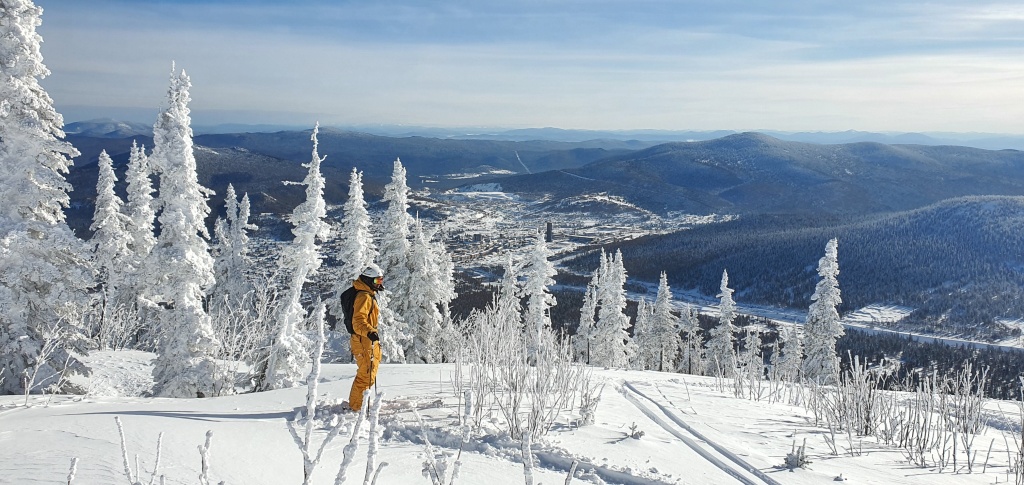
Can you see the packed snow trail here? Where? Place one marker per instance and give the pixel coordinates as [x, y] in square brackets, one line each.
[630, 392]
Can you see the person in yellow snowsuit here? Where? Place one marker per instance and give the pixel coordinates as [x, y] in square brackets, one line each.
[365, 342]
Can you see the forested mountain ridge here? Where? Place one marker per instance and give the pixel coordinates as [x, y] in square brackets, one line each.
[755, 173]
[257, 163]
[959, 262]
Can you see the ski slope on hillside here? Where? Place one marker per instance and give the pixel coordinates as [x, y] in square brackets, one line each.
[692, 432]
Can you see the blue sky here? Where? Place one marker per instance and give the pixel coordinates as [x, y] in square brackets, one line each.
[641, 64]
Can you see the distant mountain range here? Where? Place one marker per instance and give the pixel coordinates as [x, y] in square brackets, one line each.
[755, 173]
[109, 128]
[740, 174]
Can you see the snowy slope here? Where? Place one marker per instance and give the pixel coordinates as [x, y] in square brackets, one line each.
[692, 433]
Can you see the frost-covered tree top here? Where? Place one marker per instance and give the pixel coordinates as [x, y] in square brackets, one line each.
[539, 272]
[721, 344]
[823, 327]
[423, 305]
[111, 238]
[394, 245]
[182, 202]
[585, 331]
[508, 288]
[33, 156]
[611, 343]
[140, 201]
[308, 219]
[357, 249]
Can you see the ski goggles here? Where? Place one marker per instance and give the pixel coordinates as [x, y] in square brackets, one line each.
[379, 281]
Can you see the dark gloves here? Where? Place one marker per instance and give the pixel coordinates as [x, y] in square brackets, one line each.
[373, 336]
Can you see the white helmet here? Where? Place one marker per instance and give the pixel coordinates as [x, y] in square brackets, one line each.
[373, 271]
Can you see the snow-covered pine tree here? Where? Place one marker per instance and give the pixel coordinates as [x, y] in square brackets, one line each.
[110, 238]
[451, 338]
[721, 346]
[539, 276]
[232, 261]
[751, 358]
[509, 291]
[45, 271]
[691, 360]
[179, 269]
[792, 348]
[647, 353]
[140, 202]
[394, 259]
[666, 327]
[823, 329]
[585, 331]
[423, 311]
[289, 351]
[612, 345]
[356, 249]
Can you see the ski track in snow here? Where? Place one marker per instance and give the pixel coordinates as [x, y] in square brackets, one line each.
[712, 452]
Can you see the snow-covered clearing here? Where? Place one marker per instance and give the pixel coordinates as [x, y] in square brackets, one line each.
[691, 433]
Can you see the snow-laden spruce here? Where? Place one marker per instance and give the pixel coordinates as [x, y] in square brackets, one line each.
[139, 205]
[643, 335]
[356, 249]
[394, 250]
[289, 351]
[721, 346]
[691, 357]
[424, 303]
[585, 332]
[665, 327]
[44, 265]
[111, 239]
[539, 275]
[823, 328]
[611, 345]
[656, 331]
[231, 253]
[179, 270]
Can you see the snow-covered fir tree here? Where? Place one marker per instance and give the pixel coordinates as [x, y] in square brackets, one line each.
[691, 357]
[394, 250]
[823, 329]
[539, 275]
[665, 328]
[423, 310]
[509, 291]
[451, 339]
[231, 252]
[111, 239]
[751, 358]
[721, 344]
[356, 249]
[612, 345]
[585, 331]
[791, 347]
[179, 269]
[647, 348]
[289, 351]
[45, 269]
[139, 205]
